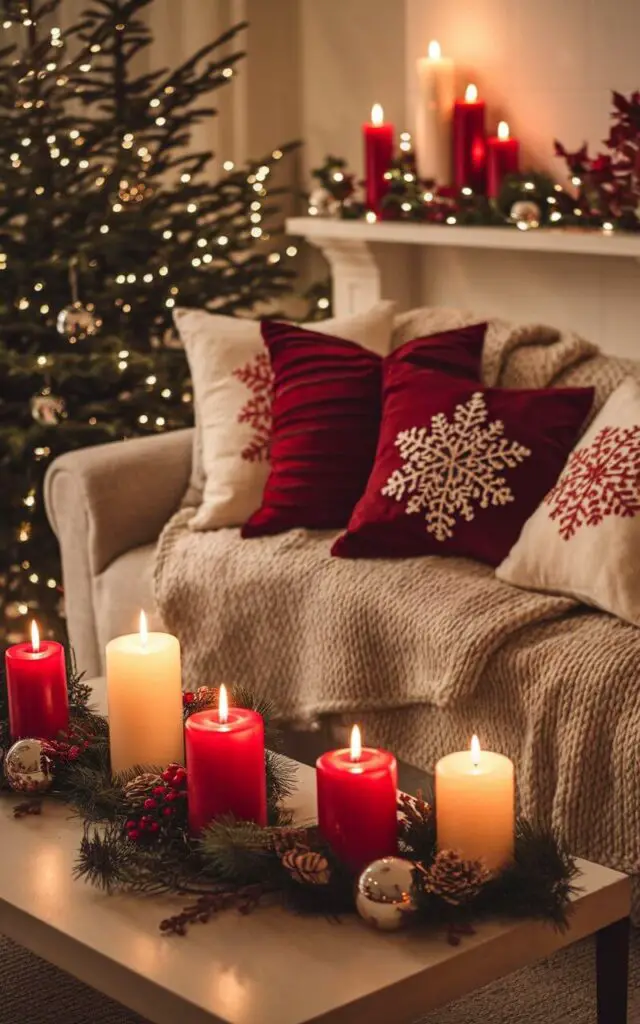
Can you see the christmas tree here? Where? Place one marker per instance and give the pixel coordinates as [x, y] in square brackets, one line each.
[107, 221]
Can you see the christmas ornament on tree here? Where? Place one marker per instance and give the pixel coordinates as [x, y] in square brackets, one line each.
[27, 767]
[526, 214]
[454, 880]
[77, 322]
[307, 867]
[323, 204]
[385, 893]
[48, 409]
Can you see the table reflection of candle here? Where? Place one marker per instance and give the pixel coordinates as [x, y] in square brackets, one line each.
[357, 801]
[37, 688]
[144, 695]
[469, 143]
[225, 765]
[475, 805]
[502, 159]
[378, 154]
[434, 104]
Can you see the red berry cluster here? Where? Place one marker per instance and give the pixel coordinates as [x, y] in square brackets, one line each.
[66, 750]
[166, 801]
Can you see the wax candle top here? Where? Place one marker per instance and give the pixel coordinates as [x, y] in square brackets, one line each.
[377, 114]
[474, 761]
[434, 51]
[471, 93]
[503, 130]
[356, 759]
[223, 718]
[34, 650]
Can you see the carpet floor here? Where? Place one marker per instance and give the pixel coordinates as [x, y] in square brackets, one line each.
[560, 990]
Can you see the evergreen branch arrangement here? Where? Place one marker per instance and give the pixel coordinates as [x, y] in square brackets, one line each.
[136, 839]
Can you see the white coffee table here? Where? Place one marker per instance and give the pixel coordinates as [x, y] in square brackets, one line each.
[272, 967]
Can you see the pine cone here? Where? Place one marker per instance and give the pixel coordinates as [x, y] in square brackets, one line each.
[289, 838]
[307, 867]
[455, 880]
[138, 789]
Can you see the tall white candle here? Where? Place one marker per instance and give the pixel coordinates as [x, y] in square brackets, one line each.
[434, 110]
[144, 694]
[475, 805]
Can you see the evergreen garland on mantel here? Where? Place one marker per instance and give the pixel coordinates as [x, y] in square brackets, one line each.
[136, 839]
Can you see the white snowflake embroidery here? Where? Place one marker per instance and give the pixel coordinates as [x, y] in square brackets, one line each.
[450, 467]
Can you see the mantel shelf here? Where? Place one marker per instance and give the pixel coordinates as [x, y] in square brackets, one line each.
[559, 240]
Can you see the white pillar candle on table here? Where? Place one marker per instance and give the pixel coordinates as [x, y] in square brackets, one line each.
[434, 110]
[475, 805]
[144, 694]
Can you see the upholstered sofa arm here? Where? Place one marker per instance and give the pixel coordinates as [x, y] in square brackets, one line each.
[107, 500]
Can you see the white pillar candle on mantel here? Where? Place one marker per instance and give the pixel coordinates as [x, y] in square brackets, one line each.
[144, 696]
[434, 110]
[475, 805]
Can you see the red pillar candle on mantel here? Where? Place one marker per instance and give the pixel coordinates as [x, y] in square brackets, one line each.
[37, 689]
[357, 802]
[502, 159]
[225, 765]
[378, 154]
[469, 141]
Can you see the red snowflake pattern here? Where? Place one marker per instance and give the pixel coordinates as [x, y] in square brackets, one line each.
[602, 479]
[257, 375]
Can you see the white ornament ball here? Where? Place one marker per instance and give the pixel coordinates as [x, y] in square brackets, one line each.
[27, 767]
[76, 322]
[526, 214]
[385, 893]
[48, 409]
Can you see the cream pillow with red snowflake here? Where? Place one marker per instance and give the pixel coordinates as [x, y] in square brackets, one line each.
[584, 539]
[232, 388]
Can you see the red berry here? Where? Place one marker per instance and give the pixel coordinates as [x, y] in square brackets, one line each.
[150, 804]
[74, 752]
[131, 824]
[153, 826]
[167, 811]
[167, 775]
[134, 835]
[158, 790]
[188, 697]
[171, 795]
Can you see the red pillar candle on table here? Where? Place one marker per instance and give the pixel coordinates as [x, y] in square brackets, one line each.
[357, 801]
[225, 765]
[469, 141]
[37, 689]
[502, 159]
[378, 154]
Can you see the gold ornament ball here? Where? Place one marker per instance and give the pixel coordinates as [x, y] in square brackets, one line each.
[48, 409]
[526, 214]
[77, 322]
[27, 767]
[385, 893]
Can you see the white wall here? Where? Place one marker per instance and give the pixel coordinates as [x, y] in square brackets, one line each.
[547, 67]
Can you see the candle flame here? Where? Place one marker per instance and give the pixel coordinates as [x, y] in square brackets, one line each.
[356, 743]
[377, 114]
[475, 751]
[223, 705]
[35, 637]
[144, 629]
[503, 130]
[471, 93]
[433, 50]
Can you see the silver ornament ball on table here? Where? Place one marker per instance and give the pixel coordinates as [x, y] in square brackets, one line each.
[385, 893]
[76, 322]
[526, 214]
[27, 767]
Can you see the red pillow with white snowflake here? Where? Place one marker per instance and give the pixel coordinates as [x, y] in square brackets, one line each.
[584, 539]
[460, 467]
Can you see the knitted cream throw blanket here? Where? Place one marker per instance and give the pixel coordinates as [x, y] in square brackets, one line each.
[430, 649]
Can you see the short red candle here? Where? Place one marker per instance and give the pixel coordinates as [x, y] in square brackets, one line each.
[37, 689]
[357, 801]
[502, 159]
[469, 142]
[225, 766]
[378, 154]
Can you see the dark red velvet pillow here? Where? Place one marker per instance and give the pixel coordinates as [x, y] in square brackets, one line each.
[460, 467]
[326, 419]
